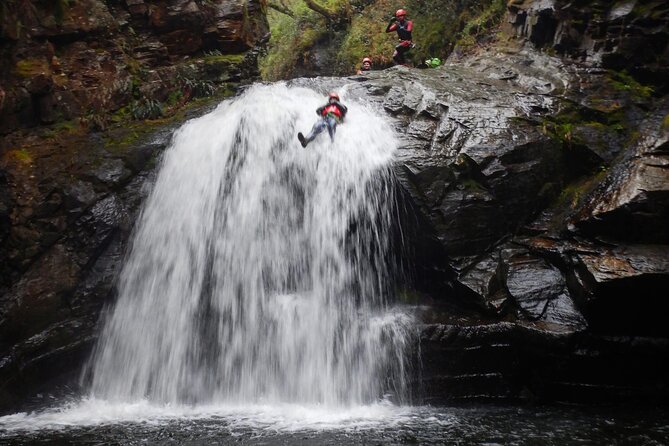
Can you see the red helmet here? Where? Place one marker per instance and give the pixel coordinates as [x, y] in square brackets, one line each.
[366, 59]
[333, 95]
[400, 13]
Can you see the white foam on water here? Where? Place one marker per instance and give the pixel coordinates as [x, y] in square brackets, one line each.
[258, 417]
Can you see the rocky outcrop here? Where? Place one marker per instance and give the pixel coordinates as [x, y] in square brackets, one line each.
[626, 35]
[68, 196]
[503, 361]
[68, 215]
[89, 59]
[542, 182]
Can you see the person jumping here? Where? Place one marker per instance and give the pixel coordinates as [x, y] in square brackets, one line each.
[331, 114]
[403, 28]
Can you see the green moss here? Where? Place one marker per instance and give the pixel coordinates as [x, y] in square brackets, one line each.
[174, 98]
[481, 24]
[232, 59]
[63, 128]
[22, 155]
[622, 81]
[291, 40]
[31, 66]
[121, 115]
[127, 131]
[573, 193]
[665, 123]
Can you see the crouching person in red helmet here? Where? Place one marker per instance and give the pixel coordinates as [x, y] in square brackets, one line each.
[366, 65]
[403, 27]
[331, 114]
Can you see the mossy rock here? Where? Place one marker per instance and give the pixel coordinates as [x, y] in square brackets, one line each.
[31, 67]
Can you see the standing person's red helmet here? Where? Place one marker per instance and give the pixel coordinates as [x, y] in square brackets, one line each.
[400, 13]
[333, 95]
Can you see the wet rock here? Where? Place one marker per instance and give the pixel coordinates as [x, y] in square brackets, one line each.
[503, 361]
[394, 100]
[625, 289]
[484, 277]
[456, 119]
[40, 84]
[37, 299]
[84, 57]
[607, 265]
[632, 203]
[614, 35]
[540, 290]
[79, 195]
[111, 172]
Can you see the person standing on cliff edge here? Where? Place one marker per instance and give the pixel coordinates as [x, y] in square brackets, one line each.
[403, 27]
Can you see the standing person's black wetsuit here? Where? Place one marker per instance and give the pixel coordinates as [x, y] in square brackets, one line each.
[331, 114]
[403, 28]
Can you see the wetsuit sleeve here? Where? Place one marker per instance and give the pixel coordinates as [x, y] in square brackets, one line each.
[343, 109]
[392, 26]
[319, 110]
[410, 26]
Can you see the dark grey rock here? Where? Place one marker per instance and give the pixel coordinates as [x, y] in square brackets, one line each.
[111, 172]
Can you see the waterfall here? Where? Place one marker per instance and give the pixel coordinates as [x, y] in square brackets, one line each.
[260, 271]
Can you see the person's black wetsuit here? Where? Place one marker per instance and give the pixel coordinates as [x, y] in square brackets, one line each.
[403, 28]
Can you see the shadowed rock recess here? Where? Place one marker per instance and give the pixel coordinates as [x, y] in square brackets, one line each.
[533, 180]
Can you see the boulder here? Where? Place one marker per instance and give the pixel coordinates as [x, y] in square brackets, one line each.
[632, 203]
[540, 290]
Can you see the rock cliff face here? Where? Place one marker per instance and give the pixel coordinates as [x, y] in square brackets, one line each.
[625, 35]
[534, 187]
[64, 59]
[544, 180]
[68, 194]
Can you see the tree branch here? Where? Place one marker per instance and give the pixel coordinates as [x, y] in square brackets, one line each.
[321, 10]
[282, 8]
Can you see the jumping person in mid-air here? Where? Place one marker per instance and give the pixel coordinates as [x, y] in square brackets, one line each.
[331, 114]
[403, 28]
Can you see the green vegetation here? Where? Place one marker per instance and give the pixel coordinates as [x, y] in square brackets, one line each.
[146, 109]
[292, 36]
[622, 81]
[213, 58]
[481, 24]
[300, 35]
[665, 123]
[22, 155]
[573, 193]
[126, 131]
[31, 66]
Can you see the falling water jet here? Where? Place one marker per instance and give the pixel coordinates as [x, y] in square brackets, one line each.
[261, 272]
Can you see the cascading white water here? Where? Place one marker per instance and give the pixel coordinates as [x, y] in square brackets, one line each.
[260, 271]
